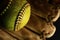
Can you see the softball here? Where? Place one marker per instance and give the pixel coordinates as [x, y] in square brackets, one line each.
[16, 15]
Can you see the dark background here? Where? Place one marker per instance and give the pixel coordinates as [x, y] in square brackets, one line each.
[56, 36]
